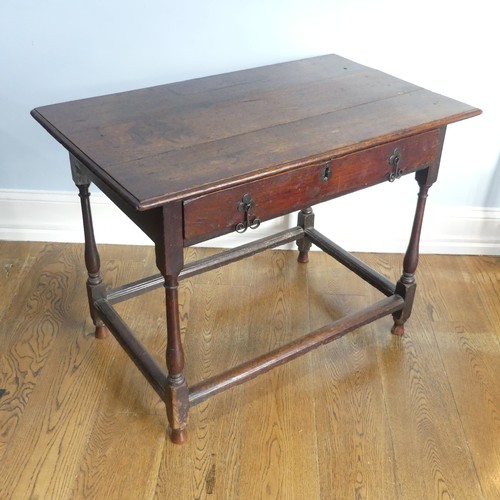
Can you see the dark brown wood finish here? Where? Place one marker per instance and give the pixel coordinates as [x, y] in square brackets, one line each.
[95, 286]
[137, 352]
[138, 287]
[305, 220]
[406, 285]
[192, 160]
[217, 213]
[180, 140]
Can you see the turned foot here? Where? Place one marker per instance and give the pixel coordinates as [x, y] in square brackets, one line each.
[303, 257]
[398, 330]
[101, 332]
[178, 436]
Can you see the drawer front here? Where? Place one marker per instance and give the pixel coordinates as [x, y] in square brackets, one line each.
[220, 212]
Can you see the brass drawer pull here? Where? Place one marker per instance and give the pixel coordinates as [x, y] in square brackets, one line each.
[245, 205]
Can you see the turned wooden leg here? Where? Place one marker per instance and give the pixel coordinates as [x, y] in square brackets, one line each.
[95, 286]
[177, 396]
[170, 261]
[305, 220]
[406, 286]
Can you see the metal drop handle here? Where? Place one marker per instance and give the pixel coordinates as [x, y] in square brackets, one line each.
[245, 205]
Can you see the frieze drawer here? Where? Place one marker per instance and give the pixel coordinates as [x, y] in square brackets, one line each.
[244, 206]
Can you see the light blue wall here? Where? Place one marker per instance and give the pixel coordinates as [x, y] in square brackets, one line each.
[55, 50]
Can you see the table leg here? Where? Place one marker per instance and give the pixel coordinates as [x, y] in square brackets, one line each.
[95, 285]
[177, 396]
[170, 262]
[305, 220]
[406, 286]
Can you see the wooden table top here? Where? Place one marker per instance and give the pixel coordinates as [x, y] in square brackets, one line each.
[176, 141]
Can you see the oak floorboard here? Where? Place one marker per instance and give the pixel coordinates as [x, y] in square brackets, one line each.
[52, 356]
[368, 416]
[215, 339]
[472, 360]
[423, 418]
[43, 461]
[13, 268]
[484, 273]
[279, 456]
[31, 327]
[355, 448]
[422, 411]
[130, 421]
[469, 345]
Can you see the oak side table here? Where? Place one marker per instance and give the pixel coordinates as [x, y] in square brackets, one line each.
[197, 159]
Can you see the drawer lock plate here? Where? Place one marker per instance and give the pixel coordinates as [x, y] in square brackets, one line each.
[326, 172]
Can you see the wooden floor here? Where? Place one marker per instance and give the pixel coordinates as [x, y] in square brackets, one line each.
[368, 416]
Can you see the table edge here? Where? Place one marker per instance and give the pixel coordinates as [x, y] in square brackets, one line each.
[106, 181]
